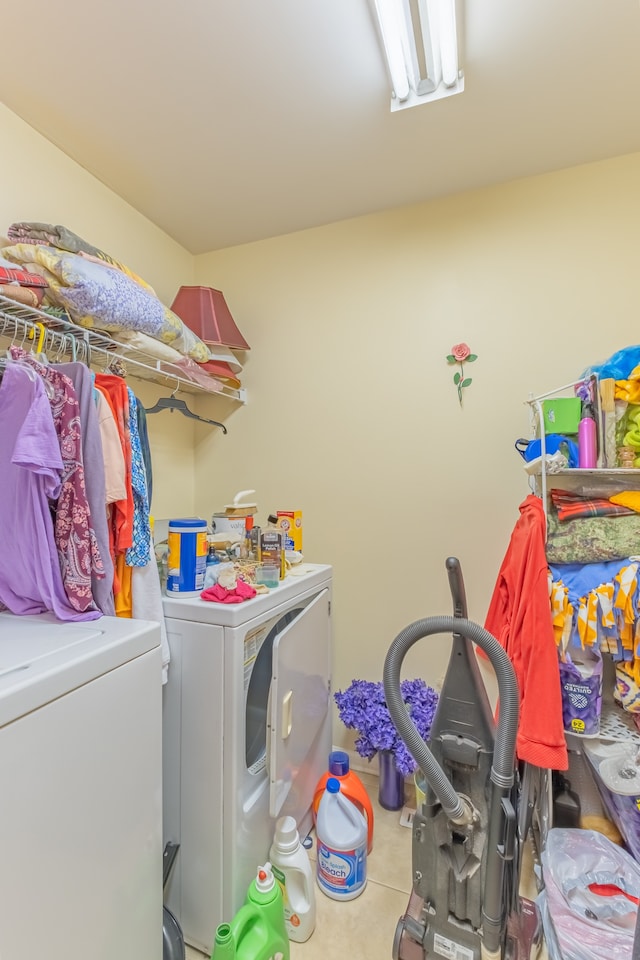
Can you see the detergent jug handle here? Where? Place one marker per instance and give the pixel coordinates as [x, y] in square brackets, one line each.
[456, 585]
[244, 920]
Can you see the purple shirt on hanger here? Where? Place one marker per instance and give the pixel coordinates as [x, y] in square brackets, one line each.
[30, 473]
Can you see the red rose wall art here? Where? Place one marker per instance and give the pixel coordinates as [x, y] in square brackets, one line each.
[461, 354]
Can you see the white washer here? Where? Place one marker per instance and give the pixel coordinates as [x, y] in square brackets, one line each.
[247, 734]
[81, 794]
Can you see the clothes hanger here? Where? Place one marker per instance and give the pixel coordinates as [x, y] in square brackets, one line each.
[172, 403]
[6, 361]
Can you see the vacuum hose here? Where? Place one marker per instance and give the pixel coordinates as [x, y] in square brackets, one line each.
[502, 771]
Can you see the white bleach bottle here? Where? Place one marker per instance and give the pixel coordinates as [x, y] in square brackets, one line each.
[292, 869]
[341, 831]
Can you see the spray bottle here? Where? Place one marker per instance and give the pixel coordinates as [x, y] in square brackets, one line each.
[257, 932]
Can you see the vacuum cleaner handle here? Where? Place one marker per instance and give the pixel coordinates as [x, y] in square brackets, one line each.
[502, 772]
[456, 585]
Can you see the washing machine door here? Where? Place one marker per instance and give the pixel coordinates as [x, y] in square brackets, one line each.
[300, 696]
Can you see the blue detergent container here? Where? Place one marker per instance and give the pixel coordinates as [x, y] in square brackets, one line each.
[187, 557]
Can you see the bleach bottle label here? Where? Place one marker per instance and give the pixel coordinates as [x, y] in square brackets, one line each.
[342, 872]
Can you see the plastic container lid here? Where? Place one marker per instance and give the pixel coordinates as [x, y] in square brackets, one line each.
[333, 785]
[188, 522]
[338, 763]
[287, 837]
[264, 878]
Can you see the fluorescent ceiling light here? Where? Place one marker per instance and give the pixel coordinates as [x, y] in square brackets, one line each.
[421, 46]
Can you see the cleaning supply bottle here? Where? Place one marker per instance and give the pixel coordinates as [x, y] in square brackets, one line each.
[257, 932]
[351, 786]
[292, 869]
[341, 832]
[587, 439]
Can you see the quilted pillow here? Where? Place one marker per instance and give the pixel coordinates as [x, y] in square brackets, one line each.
[98, 296]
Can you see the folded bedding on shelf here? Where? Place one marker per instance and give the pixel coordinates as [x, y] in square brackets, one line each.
[54, 235]
[572, 506]
[592, 539]
[22, 277]
[97, 296]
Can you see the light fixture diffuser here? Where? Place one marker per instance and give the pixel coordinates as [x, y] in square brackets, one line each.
[421, 46]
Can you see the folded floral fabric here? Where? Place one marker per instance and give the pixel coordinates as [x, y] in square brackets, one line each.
[54, 235]
[592, 539]
[97, 296]
[25, 279]
[570, 506]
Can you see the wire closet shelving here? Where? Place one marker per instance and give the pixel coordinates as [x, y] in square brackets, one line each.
[60, 337]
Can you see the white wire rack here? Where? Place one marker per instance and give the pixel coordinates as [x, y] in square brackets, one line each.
[55, 336]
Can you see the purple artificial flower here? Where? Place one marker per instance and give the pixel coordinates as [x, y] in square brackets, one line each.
[362, 707]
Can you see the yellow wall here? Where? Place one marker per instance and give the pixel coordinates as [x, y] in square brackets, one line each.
[39, 182]
[353, 416]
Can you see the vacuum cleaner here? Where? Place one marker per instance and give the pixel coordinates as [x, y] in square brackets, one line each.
[469, 832]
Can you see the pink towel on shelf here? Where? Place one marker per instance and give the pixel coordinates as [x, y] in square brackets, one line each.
[242, 591]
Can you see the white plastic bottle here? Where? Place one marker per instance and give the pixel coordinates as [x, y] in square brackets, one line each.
[341, 831]
[292, 869]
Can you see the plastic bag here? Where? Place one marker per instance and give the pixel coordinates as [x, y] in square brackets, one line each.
[618, 366]
[581, 923]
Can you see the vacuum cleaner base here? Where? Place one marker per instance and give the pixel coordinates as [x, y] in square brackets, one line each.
[523, 934]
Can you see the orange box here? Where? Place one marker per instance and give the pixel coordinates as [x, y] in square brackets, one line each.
[290, 521]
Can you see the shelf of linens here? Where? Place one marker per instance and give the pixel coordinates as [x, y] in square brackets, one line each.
[60, 338]
[623, 477]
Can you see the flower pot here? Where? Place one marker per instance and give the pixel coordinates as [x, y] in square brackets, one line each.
[391, 782]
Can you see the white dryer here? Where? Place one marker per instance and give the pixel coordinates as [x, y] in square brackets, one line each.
[247, 734]
[80, 800]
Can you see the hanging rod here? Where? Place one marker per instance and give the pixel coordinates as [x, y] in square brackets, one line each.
[65, 338]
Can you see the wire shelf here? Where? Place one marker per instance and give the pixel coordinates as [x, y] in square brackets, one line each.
[61, 337]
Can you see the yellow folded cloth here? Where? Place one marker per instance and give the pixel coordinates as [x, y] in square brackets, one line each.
[628, 498]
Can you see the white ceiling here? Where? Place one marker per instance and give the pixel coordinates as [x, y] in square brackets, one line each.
[226, 121]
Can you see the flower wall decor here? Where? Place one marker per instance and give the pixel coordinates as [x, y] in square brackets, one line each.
[461, 354]
[362, 707]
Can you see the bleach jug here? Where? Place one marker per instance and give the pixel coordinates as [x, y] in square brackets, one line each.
[341, 832]
[351, 786]
[292, 869]
[257, 932]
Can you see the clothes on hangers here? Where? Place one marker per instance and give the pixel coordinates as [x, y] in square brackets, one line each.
[75, 537]
[115, 390]
[112, 453]
[75, 469]
[519, 616]
[95, 479]
[31, 474]
[146, 449]
[138, 553]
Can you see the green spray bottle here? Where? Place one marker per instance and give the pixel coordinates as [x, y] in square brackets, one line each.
[257, 932]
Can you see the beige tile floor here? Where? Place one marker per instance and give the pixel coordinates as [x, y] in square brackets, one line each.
[363, 929]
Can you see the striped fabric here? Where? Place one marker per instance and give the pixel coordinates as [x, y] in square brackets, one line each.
[8, 275]
[570, 506]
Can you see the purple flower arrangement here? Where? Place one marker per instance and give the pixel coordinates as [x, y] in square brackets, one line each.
[362, 707]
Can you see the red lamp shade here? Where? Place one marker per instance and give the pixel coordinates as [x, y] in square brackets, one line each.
[205, 311]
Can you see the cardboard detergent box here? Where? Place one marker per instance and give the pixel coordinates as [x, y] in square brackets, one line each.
[290, 521]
